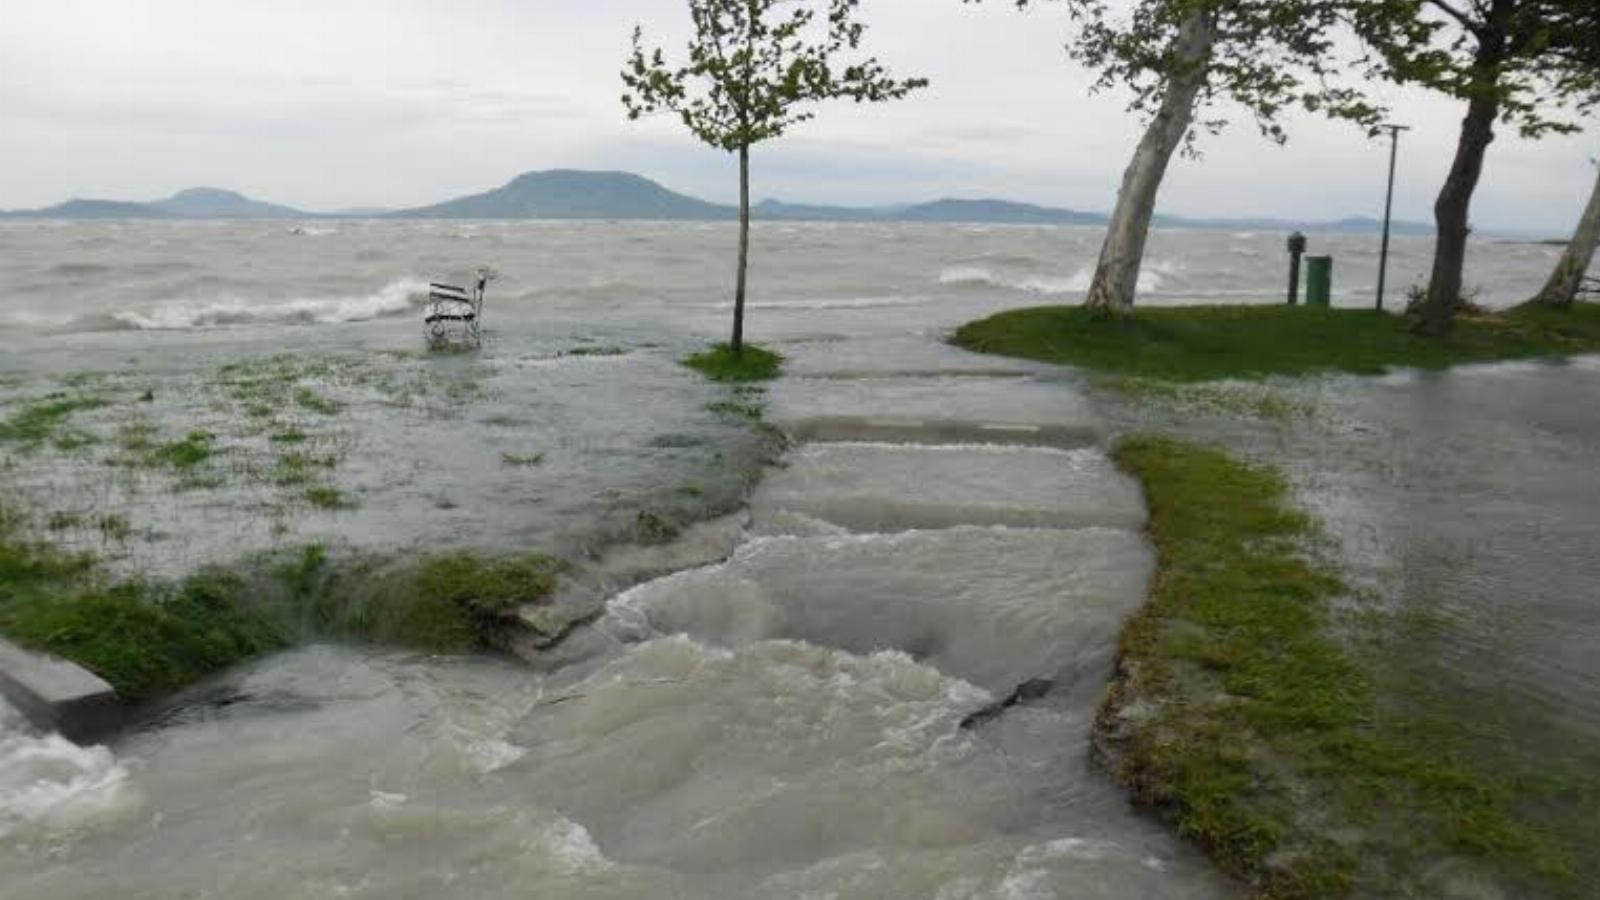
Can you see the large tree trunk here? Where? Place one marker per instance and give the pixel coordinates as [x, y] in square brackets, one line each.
[737, 344]
[1452, 210]
[1116, 276]
[1562, 288]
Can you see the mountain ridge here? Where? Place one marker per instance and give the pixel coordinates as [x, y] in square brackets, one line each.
[568, 194]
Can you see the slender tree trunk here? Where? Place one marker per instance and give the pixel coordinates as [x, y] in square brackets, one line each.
[737, 344]
[1562, 288]
[1452, 210]
[1116, 276]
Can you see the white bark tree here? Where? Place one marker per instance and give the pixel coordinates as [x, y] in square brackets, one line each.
[1116, 275]
[1565, 281]
[1180, 57]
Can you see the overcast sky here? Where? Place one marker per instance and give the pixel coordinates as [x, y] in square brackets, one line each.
[324, 105]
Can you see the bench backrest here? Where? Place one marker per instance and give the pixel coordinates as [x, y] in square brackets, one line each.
[438, 291]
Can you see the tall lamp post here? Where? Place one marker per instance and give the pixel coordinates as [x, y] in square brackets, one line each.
[1388, 208]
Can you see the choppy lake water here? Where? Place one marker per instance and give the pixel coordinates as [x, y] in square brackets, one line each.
[736, 762]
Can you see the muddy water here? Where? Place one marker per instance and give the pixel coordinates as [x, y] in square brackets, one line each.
[795, 721]
[786, 723]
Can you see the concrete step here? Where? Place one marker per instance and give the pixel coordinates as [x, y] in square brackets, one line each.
[896, 357]
[886, 488]
[57, 695]
[943, 410]
[994, 606]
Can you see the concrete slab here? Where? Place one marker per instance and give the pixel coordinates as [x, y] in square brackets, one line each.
[887, 488]
[895, 357]
[944, 410]
[57, 695]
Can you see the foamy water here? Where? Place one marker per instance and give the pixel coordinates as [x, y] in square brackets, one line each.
[50, 787]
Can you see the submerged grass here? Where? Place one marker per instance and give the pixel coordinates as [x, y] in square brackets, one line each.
[38, 421]
[317, 403]
[328, 497]
[149, 639]
[144, 640]
[195, 448]
[1237, 713]
[1251, 399]
[444, 603]
[720, 364]
[1204, 343]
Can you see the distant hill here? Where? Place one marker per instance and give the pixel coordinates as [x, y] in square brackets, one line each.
[811, 212]
[947, 210]
[996, 211]
[91, 209]
[571, 194]
[214, 203]
[577, 194]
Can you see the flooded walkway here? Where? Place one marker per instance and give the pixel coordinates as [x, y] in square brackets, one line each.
[818, 715]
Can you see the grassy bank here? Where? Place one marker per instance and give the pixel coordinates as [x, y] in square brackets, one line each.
[1201, 343]
[1238, 715]
[149, 639]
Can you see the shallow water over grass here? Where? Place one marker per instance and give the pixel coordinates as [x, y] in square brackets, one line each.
[192, 453]
[1465, 506]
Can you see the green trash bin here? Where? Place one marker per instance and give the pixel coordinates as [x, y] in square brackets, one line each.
[1319, 280]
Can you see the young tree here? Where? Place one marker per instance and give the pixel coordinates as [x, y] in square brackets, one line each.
[1512, 61]
[755, 67]
[1181, 58]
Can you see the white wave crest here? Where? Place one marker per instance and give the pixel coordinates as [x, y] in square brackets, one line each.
[53, 784]
[1150, 279]
[395, 298]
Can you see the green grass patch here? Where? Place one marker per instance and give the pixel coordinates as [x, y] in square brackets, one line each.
[445, 603]
[753, 364]
[1204, 343]
[114, 527]
[1237, 713]
[596, 350]
[144, 640]
[38, 421]
[70, 439]
[149, 639]
[327, 497]
[195, 448]
[296, 469]
[310, 399]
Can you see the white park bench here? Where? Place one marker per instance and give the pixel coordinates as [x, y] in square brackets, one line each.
[453, 316]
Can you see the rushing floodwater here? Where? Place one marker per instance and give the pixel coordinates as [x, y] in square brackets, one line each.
[714, 739]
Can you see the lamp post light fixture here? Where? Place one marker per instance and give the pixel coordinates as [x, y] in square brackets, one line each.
[1388, 207]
